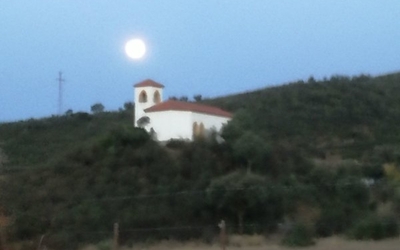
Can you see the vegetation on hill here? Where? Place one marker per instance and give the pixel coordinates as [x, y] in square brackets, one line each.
[35, 142]
[307, 159]
[344, 114]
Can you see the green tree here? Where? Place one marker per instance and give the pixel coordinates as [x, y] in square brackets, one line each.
[69, 112]
[198, 98]
[250, 149]
[143, 121]
[240, 123]
[184, 99]
[239, 193]
[129, 106]
[97, 108]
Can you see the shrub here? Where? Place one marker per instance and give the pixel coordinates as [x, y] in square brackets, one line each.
[176, 144]
[61, 239]
[374, 227]
[104, 245]
[298, 236]
[332, 220]
[82, 116]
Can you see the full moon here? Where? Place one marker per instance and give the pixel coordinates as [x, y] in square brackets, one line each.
[135, 48]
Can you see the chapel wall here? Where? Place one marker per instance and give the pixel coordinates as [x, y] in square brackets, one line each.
[171, 125]
[210, 122]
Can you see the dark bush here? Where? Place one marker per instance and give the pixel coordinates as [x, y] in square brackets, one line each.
[299, 236]
[60, 240]
[82, 116]
[332, 220]
[176, 144]
[374, 227]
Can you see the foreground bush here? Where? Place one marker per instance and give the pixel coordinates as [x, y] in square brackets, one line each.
[299, 236]
[375, 228]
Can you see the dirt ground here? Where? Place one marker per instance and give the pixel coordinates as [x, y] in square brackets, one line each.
[333, 243]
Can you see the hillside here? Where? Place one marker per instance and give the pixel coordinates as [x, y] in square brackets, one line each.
[71, 177]
[345, 115]
[36, 142]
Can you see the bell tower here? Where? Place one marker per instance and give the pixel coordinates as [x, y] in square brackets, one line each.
[146, 94]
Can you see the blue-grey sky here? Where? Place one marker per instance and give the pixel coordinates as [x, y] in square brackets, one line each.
[208, 47]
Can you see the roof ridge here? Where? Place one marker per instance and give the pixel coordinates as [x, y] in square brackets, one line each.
[188, 106]
[148, 83]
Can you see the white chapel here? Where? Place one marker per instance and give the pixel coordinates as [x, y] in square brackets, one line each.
[174, 119]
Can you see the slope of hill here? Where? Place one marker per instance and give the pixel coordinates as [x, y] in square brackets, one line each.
[36, 142]
[351, 113]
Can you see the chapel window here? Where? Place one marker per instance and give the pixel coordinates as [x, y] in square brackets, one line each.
[143, 96]
[157, 97]
[195, 130]
[201, 130]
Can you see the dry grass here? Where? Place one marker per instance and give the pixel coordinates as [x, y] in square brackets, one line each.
[246, 240]
[259, 243]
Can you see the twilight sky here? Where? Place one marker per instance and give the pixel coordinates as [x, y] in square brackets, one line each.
[208, 47]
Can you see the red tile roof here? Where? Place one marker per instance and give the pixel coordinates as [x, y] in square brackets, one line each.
[188, 106]
[149, 83]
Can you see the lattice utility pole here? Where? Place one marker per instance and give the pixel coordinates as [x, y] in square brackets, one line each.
[60, 92]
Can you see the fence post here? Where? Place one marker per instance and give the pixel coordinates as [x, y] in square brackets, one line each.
[3, 238]
[3, 244]
[222, 234]
[40, 242]
[116, 234]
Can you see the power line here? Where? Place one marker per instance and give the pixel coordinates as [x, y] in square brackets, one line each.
[60, 81]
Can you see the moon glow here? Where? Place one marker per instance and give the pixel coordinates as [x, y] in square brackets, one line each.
[135, 48]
